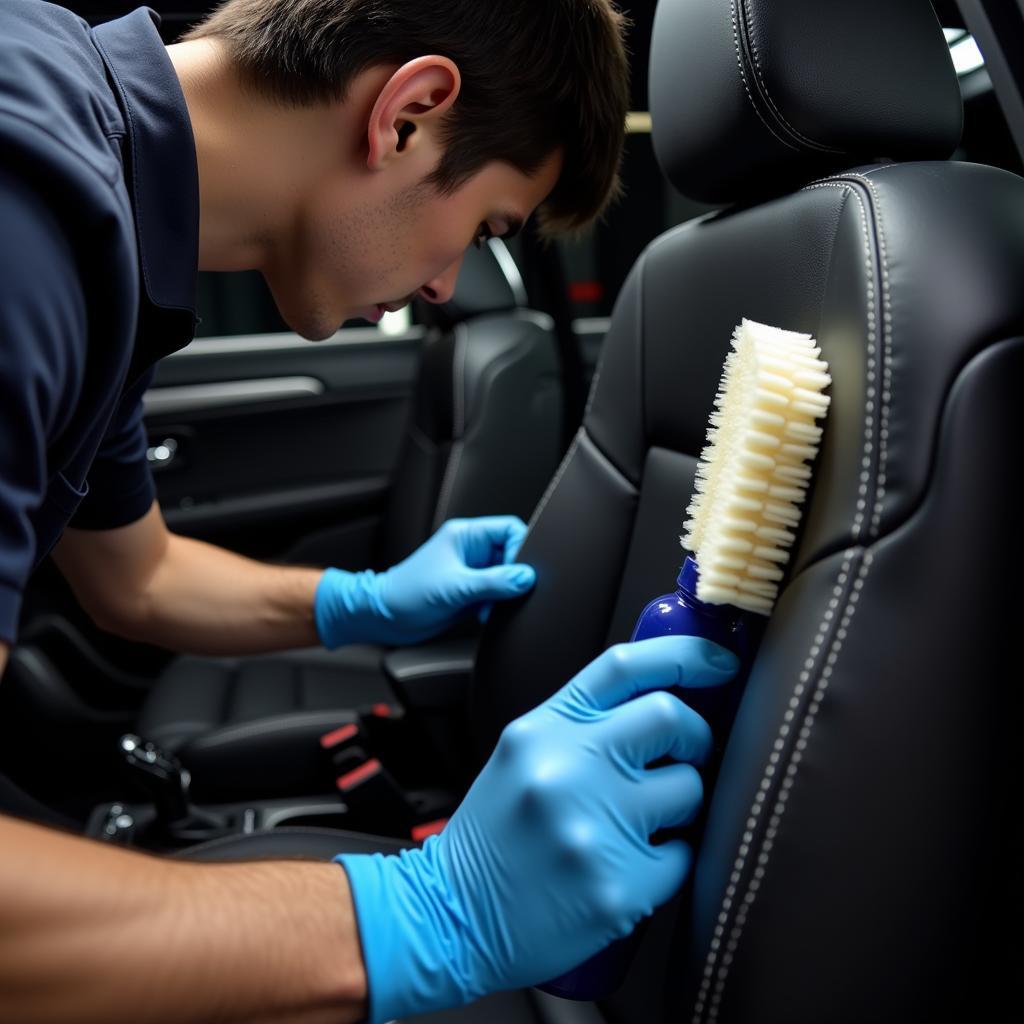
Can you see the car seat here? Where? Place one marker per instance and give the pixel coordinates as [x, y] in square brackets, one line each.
[483, 438]
[856, 859]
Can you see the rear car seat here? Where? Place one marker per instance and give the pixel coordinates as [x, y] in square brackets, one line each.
[483, 438]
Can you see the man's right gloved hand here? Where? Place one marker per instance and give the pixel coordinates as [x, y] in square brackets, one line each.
[548, 859]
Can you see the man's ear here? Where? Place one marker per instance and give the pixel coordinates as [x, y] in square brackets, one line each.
[412, 103]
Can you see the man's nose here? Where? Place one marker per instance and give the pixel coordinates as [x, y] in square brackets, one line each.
[442, 287]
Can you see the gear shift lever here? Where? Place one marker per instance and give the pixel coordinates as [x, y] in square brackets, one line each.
[162, 774]
[167, 782]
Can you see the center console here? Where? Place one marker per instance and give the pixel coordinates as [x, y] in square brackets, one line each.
[387, 771]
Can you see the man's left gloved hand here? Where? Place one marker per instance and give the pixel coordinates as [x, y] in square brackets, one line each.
[467, 563]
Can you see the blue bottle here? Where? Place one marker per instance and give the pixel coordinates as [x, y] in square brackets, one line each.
[678, 614]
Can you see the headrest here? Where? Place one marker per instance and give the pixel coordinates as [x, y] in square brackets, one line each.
[750, 96]
[489, 282]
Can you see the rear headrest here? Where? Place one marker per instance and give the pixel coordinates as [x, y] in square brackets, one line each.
[752, 96]
[489, 282]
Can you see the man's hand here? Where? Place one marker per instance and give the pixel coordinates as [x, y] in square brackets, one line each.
[466, 564]
[548, 859]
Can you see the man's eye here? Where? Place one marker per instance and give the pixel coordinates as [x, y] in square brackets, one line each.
[483, 235]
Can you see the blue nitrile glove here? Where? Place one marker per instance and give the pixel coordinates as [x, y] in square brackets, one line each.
[548, 858]
[467, 563]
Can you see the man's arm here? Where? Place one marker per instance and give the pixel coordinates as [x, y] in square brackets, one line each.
[143, 582]
[93, 933]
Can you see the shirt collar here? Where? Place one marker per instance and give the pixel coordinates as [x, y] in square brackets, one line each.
[162, 178]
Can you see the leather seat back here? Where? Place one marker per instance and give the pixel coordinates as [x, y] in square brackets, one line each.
[484, 434]
[857, 834]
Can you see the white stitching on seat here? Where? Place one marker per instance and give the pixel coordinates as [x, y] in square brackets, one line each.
[806, 140]
[874, 170]
[556, 479]
[775, 821]
[882, 477]
[458, 424]
[746, 85]
[718, 962]
[871, 394]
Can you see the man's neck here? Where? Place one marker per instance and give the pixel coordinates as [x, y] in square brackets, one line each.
[254, 156]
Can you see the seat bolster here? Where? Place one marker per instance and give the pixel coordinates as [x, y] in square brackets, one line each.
[861, 833]
[186, 701]
[305, 843]
[493, 343]
[531, 648]
[507, 418]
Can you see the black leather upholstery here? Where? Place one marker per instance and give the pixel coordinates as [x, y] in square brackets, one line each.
[753, 95]
[858, 843]
[459, 456]
[240, 723]
[248, 727]
[291, 843]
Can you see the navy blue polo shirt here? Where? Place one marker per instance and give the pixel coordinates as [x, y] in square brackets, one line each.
[99, 231]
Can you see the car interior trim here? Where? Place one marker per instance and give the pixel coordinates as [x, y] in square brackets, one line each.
[286, 342]
[190, 398]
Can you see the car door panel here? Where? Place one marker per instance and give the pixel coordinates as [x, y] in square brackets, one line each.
[256, 442]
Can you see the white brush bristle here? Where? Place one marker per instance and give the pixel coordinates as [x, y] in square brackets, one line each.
[754, 471]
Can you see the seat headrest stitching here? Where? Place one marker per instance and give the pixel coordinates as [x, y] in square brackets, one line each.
[748, 34]
[849, 174]
[746, 84]
[716, 971]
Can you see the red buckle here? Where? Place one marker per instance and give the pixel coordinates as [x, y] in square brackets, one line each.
[357, 775]
[342, 735]
[431, 828]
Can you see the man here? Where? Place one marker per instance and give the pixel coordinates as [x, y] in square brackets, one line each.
[350, 150]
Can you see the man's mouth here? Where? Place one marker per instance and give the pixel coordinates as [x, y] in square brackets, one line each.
[376, 313]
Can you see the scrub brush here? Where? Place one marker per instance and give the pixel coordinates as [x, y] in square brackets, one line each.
[754, 472]
[751, 481]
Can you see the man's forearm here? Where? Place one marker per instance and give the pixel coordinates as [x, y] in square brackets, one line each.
[94, 933]
[202, 599]
[147, 584]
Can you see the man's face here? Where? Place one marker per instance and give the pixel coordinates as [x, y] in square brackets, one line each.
[344, 261]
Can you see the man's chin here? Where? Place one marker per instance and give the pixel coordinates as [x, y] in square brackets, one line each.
[317, 333]
[312, 328]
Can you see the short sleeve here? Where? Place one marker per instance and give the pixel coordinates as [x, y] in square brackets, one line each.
[121, 486]
[43, 332]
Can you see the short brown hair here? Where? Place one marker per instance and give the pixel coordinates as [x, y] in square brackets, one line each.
[536, 75]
